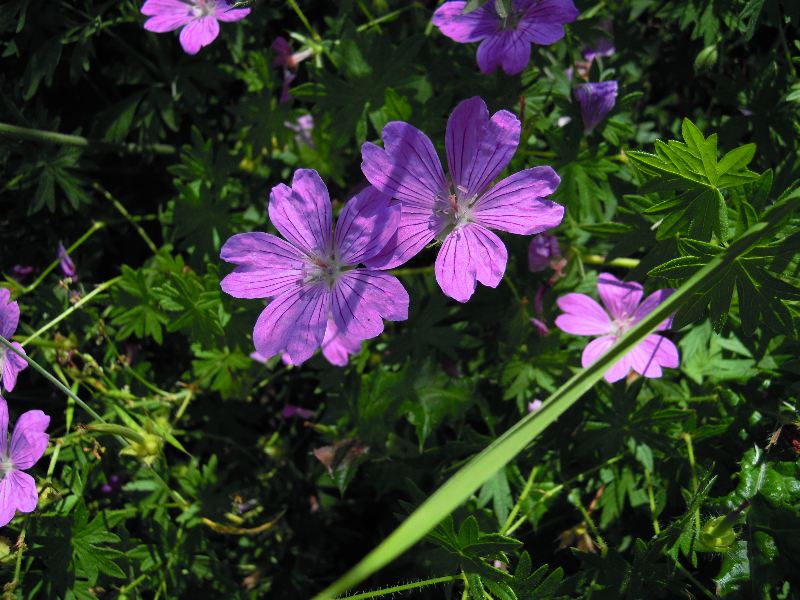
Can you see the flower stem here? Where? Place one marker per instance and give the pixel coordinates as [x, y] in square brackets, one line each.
[124, 212]
[596, 259]
[65, 139]
[514, 511]
[403, 588]
[100, 288]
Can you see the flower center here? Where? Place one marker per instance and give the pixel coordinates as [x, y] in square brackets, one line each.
[6, 466]
[508, 13]
[621, 325]
[323, 269]
[203, 8]
[454, 206]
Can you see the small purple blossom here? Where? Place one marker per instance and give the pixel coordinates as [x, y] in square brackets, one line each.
[542, 252]
[10, 363]
[28, 443]
[21, 272]
[288, 61]
[198, 20]
[460, 210]
[506, 41]
[624, 308]
[112, 486]
[65, 262]
[313, 274]
[603, 45]
[291, 410]
[535, 405]
[540, 326]
[303, 128]
[596, 101]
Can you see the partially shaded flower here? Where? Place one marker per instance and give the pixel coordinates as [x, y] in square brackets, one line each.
[460, 210]
[506, 40]
[65, 262]
[624, 308]
[288, 61]
[10, 362]
[336, 348]
[596, 101]
[198, 20]
[303, 128]
[21, 272]
[313, 276]
[603, 44]
[28, 443]
[542, 252]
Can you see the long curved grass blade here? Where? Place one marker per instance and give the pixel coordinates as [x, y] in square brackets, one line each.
[485, 464]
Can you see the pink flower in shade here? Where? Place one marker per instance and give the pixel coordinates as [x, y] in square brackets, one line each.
[198, 20]
[461, 209]
[535, 405]
[28, 443]
[313, 275]
[10, 363]
[624, 308]
[506, 41]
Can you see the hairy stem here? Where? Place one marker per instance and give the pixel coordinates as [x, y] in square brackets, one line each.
[65, 139]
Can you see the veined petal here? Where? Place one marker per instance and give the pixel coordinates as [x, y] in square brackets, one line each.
[337, 348]
[29, 439]
[362, 298]
[266, 265]
[653, 353]
[650, 304]
[229, 15]
[621, 298]
[543, 20]
[12, 364]
[293, 323]
[407, 168]
[582, 316]
[596, 348]
[3, 425]
[417, 228]
[470, 253]
[166, 15]
[491, 52]
[479, 147]
[367, 223]
[17, 493]
[516, 204]
[464, 28]
[302, 213]
[198, 33]
[9, 314]
[596, 101]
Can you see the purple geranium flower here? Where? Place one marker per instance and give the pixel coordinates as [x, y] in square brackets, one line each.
[65, 262]
[506, 40]
[303, 127]
[596, 101]
[10, 363]
[543, 252]
[28, 443]
[198, 20]
[603, 45]
[312, 276]
[460, 209]
[623, 309]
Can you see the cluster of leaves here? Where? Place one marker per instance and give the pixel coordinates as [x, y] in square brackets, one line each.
[219, 491]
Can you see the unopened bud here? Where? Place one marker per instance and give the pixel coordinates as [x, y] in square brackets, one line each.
[717, 535]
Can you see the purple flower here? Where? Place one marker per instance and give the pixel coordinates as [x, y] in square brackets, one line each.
[506, 40]
[540, 326]
[596, 101]
[21, 272]
[289, 61]
[290, 411]
[28, 443]
[312, 276]
[303, 128]
[65, 262]
[535, 405]
[623, 309]
[198, 20]
[10, 363]
[460, 209]
[542, 252]
[114, 483]
[336, 348]
[603, 45]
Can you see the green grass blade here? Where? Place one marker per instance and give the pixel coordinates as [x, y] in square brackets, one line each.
[481, 467]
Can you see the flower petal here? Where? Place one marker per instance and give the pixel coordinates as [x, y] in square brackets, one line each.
[491, 52]
[229, 15]
[266, 266]
[3, 425]
[29, 439]
[516, 203]
[337, 348]
[293, 323]
[362, 298]
[198, 33]
[543, 20]
[583, 316]
[166, 15]
[417, 228]
[596, 101]
[652, 353]
[9, 314]
[407, 168]
[479, 147]
[17, 493]
[12, 364]
[596, 348]
[649, 305]
[465, 28]
[517, 54]
[302, 213]
[470, 253]
[367, 223]
[621, 298]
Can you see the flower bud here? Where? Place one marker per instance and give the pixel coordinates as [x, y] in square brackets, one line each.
[717, 535]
